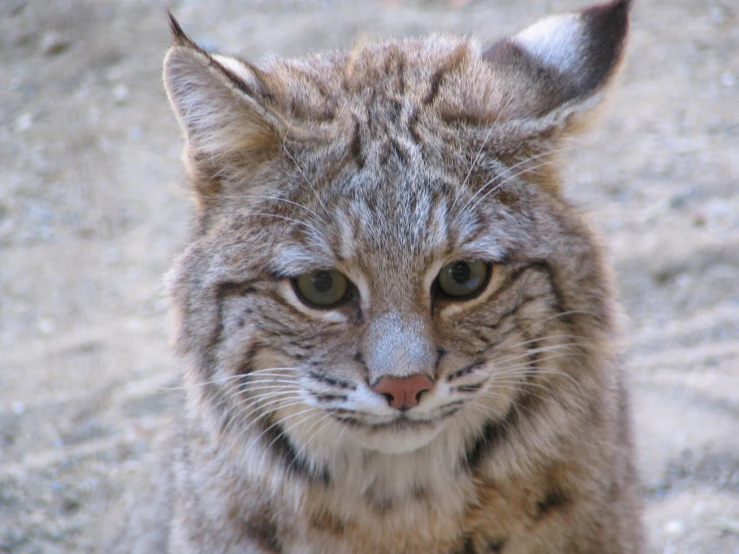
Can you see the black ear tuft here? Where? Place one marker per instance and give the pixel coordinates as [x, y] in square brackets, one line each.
[179, 38]
[607, 26]
[559, 63]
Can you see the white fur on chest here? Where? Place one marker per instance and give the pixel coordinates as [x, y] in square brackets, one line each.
[410, 496]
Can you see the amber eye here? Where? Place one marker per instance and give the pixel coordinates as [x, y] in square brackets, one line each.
[325, 288]
[464, 278]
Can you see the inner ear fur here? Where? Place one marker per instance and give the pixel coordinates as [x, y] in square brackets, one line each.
[557, 67]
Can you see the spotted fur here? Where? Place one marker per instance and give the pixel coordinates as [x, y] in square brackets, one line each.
[386, 163]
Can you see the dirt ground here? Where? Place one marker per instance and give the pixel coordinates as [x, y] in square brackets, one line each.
[92, 210]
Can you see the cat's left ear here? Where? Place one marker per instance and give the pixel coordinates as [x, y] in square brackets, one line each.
[222, 106]
[558, 67]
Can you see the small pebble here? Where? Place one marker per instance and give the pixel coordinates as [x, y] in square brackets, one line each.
[114, 74]
[675, 527]
[53, 44]
[93, 116]
[46, 325]
[134, 133]
[717, 14]
[24, 122]
[699, 218]
[17, 7]
[112, 255]
[728, 79]
[120, 93]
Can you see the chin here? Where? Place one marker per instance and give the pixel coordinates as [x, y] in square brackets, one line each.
[399, 437]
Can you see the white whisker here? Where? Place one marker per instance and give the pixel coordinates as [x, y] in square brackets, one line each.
[505, 172]
[300, 169]
[472, 167]
[276, 198]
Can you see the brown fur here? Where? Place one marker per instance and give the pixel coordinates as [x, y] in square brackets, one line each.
[387, 163]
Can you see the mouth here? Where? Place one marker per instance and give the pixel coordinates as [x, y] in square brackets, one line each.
[400, 433]
[402, 421]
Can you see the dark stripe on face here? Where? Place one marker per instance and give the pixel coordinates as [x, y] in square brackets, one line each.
[299, 356]
[468, 388]
[401, 75]
[467, 546]
[224, 395]
[331, 381]
[223, 292]
[464, 371]
[545, 267]
[282, 324]
[510, 282]
[230, 288]
[490, 436]
[495, 546]
[559, 305]
[399, 151]
[503, 336]
[440, 353]
[494, 432]
[413, 131]
[525, 402]
[262, 529]
[553, 500]
[207, 365]
[330, 397]
[247, 366]
[511, 312]
[276, 439]
[380, 504]
[434, 86]
[452, 64]
[355, 147]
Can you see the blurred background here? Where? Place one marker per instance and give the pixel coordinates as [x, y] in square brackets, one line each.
[93, 208]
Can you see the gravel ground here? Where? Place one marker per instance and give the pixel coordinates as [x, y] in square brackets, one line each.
[92, 209]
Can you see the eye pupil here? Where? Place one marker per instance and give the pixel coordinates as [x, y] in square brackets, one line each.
[322, 281]
[461, 272]
[463, 279]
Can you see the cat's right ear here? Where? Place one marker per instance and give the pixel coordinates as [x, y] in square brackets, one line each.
[218, 102]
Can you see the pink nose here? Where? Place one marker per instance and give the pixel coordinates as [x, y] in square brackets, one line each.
[403, 392]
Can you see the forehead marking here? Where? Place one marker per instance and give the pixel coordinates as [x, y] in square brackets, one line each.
[347, 241]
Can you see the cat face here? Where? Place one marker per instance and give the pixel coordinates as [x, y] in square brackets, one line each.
[327, 293]
[382, 253]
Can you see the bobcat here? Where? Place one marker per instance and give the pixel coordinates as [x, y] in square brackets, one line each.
[398, 335]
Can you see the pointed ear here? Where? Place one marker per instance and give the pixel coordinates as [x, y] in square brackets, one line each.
[558, 66]
[217, 102]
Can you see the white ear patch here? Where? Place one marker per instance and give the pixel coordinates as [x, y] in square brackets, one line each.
[236, 67]
[556, 41]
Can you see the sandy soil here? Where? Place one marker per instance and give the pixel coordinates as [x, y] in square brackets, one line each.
[92, 210]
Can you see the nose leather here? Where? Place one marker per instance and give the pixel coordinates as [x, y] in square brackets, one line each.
[403, 392]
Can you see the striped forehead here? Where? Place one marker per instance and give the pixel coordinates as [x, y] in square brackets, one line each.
[388, 217]
[410, 228]
[380, 233]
